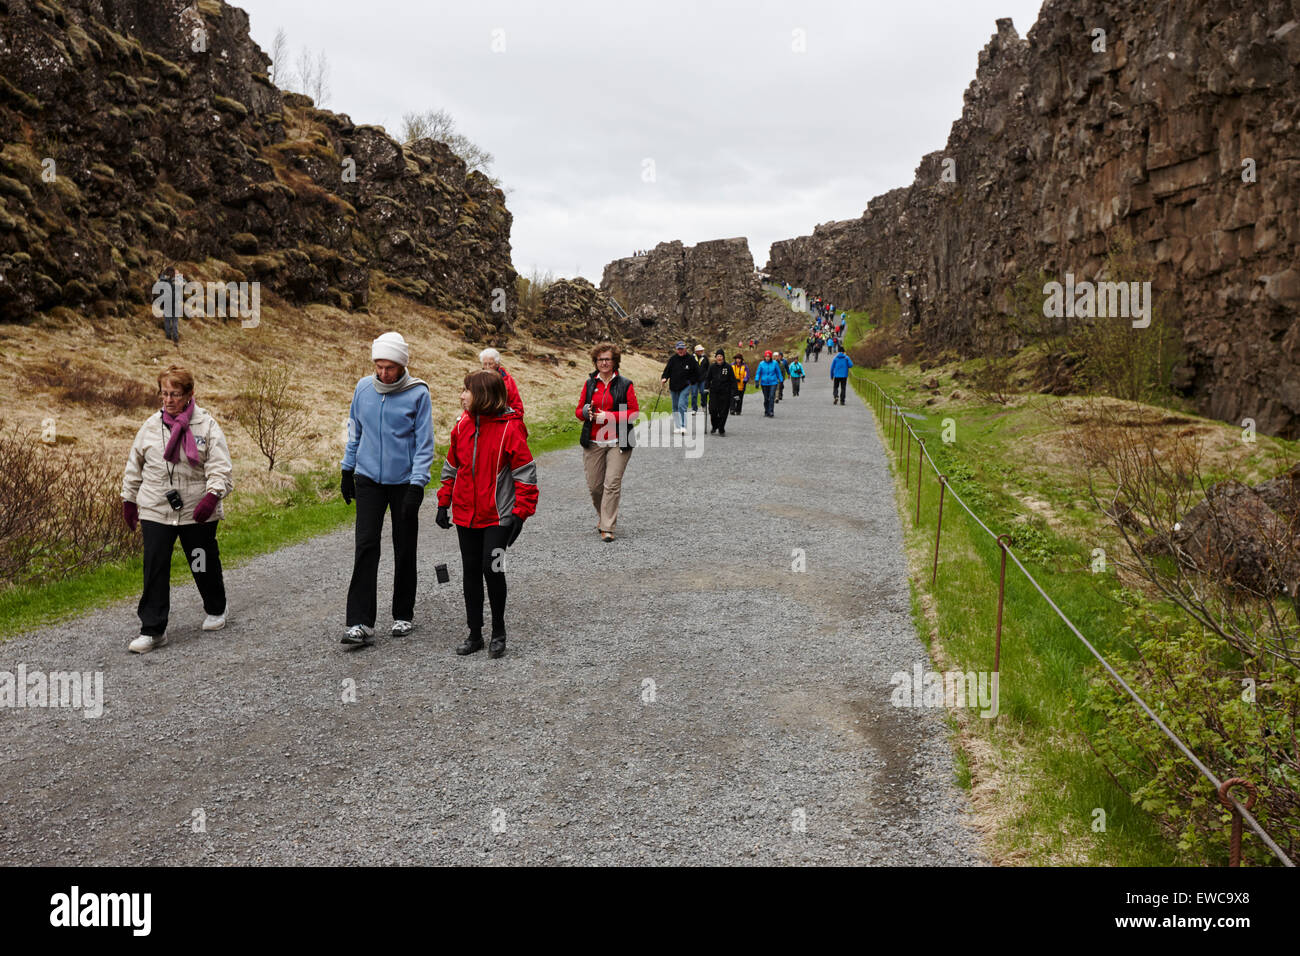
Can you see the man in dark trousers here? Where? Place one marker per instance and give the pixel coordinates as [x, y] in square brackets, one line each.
[720, 381]
[700, 396]
[840, 366]
[679, 375]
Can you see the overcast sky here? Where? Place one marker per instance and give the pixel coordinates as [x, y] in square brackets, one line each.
[747, 135]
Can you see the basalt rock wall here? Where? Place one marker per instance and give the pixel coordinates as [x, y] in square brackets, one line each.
[707, 291]
[141, 132]
[1178, 139]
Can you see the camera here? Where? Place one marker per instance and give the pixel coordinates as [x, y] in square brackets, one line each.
[174, 499]
[441, 571]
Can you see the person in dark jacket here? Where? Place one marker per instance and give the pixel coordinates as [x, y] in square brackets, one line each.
[721, 381]
[679, 375]
[701, 391]
[489, 481]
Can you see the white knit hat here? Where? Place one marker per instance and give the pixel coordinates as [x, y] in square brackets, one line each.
[392, 347]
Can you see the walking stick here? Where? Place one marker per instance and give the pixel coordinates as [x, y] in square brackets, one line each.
[658, 396]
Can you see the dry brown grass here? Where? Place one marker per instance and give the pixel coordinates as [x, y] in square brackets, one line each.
[328, 349]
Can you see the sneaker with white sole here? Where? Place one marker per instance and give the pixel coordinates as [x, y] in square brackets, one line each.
[358, 634]
[402, 628]
[214, 622]
[146, 643]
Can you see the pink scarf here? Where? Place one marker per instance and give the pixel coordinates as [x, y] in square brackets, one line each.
[181, 436]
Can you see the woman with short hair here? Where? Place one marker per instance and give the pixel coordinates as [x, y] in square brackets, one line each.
[176, 475]
[607, 409]
[489, 483]
[491, 361]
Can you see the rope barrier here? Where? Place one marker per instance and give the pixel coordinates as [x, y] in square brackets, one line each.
[1241, 812]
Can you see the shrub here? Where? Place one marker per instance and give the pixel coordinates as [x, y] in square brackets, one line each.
[269, 412]
[59, 510]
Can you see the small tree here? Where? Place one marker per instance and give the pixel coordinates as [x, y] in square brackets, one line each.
[270, 414]
[281, 73]
[439, 125]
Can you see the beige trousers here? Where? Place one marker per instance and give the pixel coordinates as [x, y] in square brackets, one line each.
[604, 467]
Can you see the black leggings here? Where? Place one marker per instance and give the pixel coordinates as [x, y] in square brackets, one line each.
[483, 557]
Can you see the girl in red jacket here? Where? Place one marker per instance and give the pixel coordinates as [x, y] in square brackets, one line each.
[489, 480]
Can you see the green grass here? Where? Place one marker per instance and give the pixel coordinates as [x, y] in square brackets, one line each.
[253, 526]
[1044, 669]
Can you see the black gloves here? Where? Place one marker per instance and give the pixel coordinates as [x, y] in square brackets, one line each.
[443, 520]
[411, 504]
[516, 525]
[347, 487]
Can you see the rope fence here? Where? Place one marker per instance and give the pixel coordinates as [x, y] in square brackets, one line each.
[899, 433]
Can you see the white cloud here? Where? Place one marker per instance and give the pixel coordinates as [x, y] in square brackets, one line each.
[748, 137]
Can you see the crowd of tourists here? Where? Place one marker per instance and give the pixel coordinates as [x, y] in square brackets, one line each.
[179, 471]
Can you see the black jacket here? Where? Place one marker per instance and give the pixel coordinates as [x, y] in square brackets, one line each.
[721, 379]
[681, 371]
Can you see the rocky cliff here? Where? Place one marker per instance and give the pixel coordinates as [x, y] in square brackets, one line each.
[1172, 126]
[140, 132]
[708, 291]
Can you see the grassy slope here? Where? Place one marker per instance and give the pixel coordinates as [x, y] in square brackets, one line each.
[1034, 783]
[328, 350]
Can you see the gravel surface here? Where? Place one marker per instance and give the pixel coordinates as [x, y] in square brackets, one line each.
[767, 735]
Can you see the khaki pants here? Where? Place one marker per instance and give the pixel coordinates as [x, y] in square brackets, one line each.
[604, 467]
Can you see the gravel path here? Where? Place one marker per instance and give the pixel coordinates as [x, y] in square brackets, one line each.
[767, 735]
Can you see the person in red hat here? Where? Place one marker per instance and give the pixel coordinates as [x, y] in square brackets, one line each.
[769, 376]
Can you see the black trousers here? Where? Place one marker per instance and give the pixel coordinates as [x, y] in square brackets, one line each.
[794, 385]
[838, 388]
[738, 401]
[483, 557]
[373, 500]
[718, 413]
[199, 542]
[769, 399]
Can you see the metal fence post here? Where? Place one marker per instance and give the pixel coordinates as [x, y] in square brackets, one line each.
[1002, 590]
[920, 460]
[1234, 848]
[938, 529]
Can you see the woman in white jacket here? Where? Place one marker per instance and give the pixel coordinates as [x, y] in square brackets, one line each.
[177, 474]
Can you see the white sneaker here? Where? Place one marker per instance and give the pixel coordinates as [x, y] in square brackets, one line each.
[214, 622]
[146, 643]
[679, 431]
[402, 628]
[358, 634]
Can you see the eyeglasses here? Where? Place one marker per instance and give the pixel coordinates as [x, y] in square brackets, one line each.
[172, 394]
[605, 358]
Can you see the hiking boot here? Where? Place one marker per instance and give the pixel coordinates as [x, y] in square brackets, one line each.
[498, 645]
[358, 634]
[472, 643]
[146, 643]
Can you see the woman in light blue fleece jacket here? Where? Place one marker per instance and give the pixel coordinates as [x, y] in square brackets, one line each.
[386, 465]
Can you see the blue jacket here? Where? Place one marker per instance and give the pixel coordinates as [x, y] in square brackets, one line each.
[840, 365]
[769, 373]
[390, 437]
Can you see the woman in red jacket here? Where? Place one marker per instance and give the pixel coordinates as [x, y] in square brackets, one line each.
[607, 409]
[489, 480]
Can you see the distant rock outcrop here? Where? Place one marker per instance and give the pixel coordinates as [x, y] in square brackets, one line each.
[1170, 125]
[574, 310]
[142, 133]
[707, 291]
